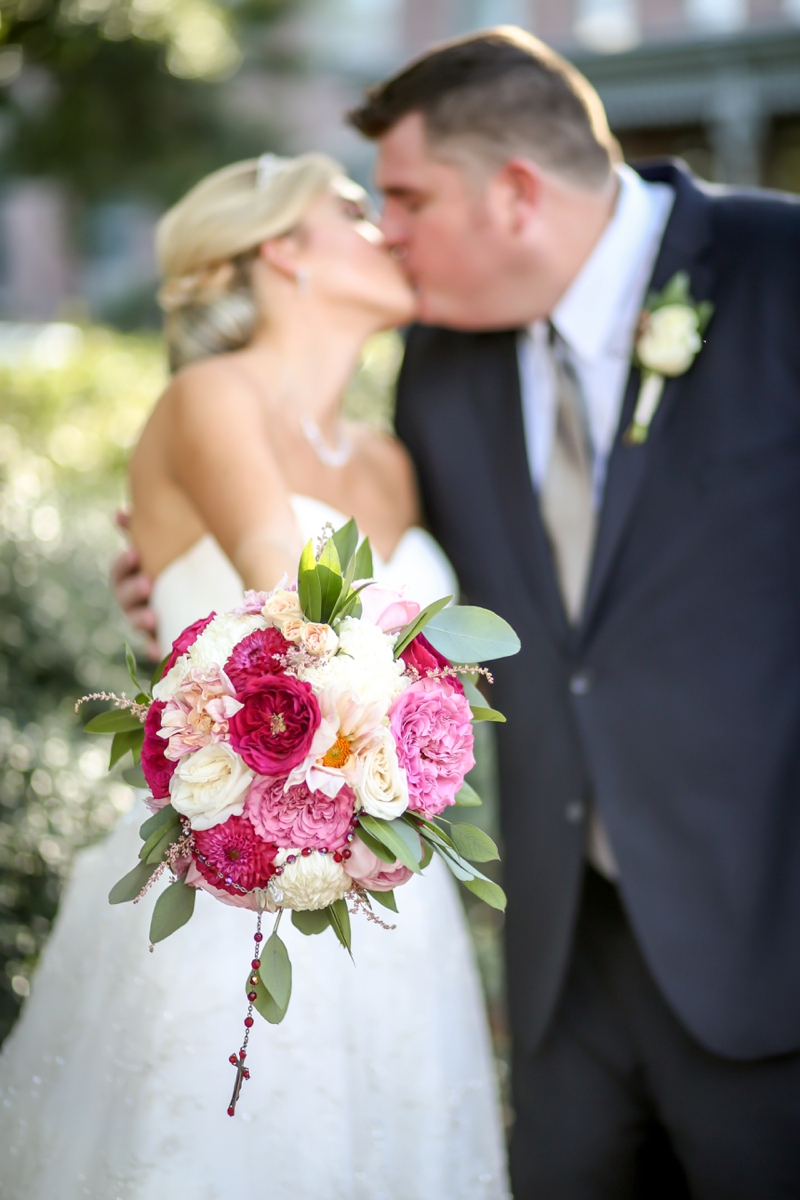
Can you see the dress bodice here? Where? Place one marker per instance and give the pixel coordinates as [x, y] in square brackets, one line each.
[202, 579]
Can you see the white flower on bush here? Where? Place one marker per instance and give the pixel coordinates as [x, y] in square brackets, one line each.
[364, 664]
[669, 340]
[210, 785]
[312, 881]
[382, 788]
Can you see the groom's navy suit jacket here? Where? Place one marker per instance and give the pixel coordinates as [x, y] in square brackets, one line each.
[675, 706]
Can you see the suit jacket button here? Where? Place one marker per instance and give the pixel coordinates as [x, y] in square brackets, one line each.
[581, 683]
[575, 811]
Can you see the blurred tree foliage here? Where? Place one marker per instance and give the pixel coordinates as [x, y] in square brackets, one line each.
[123, 95]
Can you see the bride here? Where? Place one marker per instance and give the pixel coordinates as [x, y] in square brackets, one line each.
[379, 1083]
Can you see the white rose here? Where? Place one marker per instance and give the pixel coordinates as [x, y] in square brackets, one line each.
[313, 881]
[281, 606]
[318, 639]
[214, 646]
[210, 785]
[670, 340]
[382, 788]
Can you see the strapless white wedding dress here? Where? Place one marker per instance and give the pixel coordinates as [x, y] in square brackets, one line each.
[379, 1084]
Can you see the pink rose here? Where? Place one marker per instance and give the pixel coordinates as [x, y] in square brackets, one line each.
[231, 856]
[275, 727]
[387, 609]
[156, 766]
[186, 639]
[371, 872]
[424, 657]
[256, 654]
[299, 817]
[431, 723]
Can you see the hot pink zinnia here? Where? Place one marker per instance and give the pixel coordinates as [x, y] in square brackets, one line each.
[186, 639]
[157, 768]
[256, 654]
[274, 729]
[432, 725]
[424, 657]
[233, 853]
[299, 817]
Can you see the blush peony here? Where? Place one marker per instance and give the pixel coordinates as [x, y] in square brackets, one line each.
[234, 854]
[432, 726]
[157, 768]
[424, 657]
[274, 729]
[299, 817]
[257, 654]
[371, 872]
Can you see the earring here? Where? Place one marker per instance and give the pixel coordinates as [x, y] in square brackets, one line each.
[302, 279]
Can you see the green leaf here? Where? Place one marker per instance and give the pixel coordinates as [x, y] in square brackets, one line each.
[170, 829]
[385, 898]
[462, 870]
[705, 311]
[123, 742]
[159, 671]
[486, 714]
[467, 797]
[135, 776]
[346, 541]
[364, 568]
[377, 848]
[310, 921]
[118, 720]
[351, 606]
[491, 893]
[170, 834]
[676, 291]
[130, 662]
[308, 584]
[329, 571]
[164, 816]
[276, 971]
[473, 843]
[389, 832]
[427, 854]
[465, 634]
[339, 918]
[418, 624]
[173, 908]
[130, 885]
[265, 1003]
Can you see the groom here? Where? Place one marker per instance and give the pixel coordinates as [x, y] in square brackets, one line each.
[650, 766]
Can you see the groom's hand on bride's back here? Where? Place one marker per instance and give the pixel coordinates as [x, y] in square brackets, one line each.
[132, 590]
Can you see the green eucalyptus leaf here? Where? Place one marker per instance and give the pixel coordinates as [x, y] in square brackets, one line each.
[467, 797]
[276, 970]
[169, 834]
[389, 833]
[164, 816]
[173, 909]
[466, 634]
[129, 887]
[385, 898]
[491, 893]
[134, 776]
[473, 843]
[330, 587]
[118, 720]
[471, 692]
[378, 849]
[170, 829]
[158, 674]
[705, 311]
[479, 713]
[346, 541]
[416, 626]
[130, 662]
[123, 742]
[264, 1003]
[364, 568]
[462, 870]
[427, 854]
[339, 918]
[310, 921]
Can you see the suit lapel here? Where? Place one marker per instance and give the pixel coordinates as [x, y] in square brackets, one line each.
[686, 237]
[496, 389]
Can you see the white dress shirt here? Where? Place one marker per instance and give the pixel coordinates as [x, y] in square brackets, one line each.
[597, 318]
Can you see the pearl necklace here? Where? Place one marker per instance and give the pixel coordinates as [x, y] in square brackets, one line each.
[331, 456]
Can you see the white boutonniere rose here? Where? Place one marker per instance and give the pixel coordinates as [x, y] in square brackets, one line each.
[670, 336]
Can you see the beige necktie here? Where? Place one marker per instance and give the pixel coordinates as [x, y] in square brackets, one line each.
[571, 523]
[566, 495]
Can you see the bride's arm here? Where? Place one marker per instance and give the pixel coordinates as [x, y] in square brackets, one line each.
[219, 455]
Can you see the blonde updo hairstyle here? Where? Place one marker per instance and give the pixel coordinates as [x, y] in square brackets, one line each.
[207, 243]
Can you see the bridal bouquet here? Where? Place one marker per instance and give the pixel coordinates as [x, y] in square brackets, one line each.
[301, 752]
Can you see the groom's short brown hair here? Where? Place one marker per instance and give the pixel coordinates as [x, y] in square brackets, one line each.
[499, 93]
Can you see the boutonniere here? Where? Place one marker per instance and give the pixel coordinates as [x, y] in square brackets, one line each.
[668, 339]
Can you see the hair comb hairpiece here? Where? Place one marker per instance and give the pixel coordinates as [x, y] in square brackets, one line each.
[269, 165]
